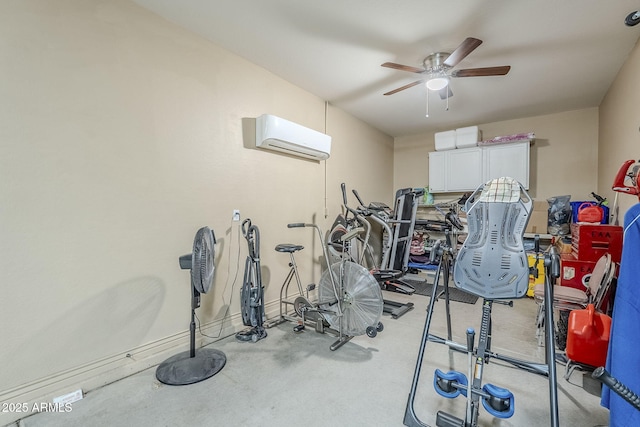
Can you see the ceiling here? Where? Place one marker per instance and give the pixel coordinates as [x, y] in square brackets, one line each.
[563, 54]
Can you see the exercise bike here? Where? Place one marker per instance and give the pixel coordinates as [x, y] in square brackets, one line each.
[349, 300]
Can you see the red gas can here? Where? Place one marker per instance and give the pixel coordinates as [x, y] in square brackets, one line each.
[588, 336]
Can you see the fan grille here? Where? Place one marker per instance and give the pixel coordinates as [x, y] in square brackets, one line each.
[202, 260]
[361, 297]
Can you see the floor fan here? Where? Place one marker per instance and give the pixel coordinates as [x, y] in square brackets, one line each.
[190, 367]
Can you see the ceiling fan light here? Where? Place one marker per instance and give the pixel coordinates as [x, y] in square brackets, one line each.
[437, 83]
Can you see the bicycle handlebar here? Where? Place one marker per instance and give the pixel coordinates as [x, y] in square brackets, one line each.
[296, 225]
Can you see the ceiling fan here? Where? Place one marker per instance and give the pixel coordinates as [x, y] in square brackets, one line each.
[438, 69]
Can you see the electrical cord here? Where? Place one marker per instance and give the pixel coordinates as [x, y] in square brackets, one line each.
[233, 285]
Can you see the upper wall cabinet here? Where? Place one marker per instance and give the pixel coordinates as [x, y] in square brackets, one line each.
[507, 160]
[455, 170]
[465, 169]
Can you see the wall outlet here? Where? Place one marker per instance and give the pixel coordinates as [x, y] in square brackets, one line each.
[236, 214]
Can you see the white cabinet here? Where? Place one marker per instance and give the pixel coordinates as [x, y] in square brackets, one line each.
[437, 171]
[455, 170]
[465, 169]
[507, 160]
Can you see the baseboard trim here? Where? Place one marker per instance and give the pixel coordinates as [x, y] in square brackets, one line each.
[110, 369]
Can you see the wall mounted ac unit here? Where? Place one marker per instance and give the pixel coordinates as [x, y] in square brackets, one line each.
[275, 133]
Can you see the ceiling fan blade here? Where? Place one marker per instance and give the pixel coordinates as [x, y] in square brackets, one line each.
[445, 92]
[480, 72]
[404, 87]
[403, 67]
[461, 52]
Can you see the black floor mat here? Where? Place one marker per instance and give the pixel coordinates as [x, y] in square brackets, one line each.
[455, 294]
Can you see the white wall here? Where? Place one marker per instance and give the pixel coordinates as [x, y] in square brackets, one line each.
[619, 137]
[121, 135]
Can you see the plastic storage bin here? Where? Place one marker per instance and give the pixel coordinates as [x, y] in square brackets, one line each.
[445, 140]
[467, 137]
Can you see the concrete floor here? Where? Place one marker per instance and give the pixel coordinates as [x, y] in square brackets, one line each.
[293, 379]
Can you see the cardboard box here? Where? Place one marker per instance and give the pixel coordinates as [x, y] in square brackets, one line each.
[539, 218]
[564, 247]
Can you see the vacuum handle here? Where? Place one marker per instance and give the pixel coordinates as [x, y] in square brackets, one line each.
[603, 376]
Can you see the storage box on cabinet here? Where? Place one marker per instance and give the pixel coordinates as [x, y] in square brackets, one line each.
[467, 137]
[445, 140]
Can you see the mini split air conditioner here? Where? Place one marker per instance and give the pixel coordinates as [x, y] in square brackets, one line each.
[275, 133]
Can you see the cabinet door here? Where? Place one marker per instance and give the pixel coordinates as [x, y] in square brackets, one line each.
[437, 171]
[508, 160]
[464, 169]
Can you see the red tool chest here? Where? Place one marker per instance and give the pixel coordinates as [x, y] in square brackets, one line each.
[590, 241]
[573, 270]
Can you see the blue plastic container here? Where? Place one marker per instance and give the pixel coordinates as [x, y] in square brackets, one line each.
[576, 205]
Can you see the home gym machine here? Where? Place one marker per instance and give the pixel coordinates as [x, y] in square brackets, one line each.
[398, 225]
[493, 265]
[349, 300]
[252, 293]
[380, 214]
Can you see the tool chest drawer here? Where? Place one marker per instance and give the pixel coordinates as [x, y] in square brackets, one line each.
[590, 241]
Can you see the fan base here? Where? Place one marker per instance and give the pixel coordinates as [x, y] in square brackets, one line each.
[182, 369]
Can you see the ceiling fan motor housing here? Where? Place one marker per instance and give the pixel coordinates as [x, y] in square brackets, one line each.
[434, 63]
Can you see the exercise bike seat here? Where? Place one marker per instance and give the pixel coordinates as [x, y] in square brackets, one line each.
[289, 247]
[492, 262]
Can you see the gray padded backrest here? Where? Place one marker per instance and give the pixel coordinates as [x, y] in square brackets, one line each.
[492, 262]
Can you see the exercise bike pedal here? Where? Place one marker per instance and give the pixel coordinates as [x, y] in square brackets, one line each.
[299, 328]
[499, 402]
[451, 384]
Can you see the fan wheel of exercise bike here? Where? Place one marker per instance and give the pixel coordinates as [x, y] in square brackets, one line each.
[361, 297]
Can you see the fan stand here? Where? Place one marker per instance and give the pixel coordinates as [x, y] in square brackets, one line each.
[190, 367]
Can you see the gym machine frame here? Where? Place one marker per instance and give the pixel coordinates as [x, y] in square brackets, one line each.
[496, 400]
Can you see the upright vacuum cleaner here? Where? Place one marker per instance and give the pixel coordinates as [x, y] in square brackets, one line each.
[252, 293]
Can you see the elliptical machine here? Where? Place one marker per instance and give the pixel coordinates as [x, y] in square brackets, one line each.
[252, 293]
[388, 279]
